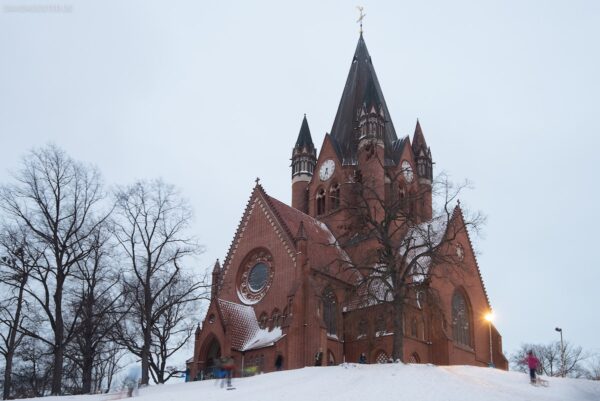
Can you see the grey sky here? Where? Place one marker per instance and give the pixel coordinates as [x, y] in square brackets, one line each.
[210, 95]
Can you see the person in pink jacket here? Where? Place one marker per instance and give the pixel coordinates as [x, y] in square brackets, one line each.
[533, 363]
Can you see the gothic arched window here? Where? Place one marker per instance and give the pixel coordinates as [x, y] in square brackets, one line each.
[334, 196]
[262, 320]
[330, 311]
[380, 325]
[413, 327]
[402, 198]
[276, 318]
[321, 201]
[363, 327]
[461, 320]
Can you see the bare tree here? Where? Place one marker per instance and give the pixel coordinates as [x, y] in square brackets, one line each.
[102, 306]
[593, 367]
[407, 246]
[33, 370]
[16, 262]
[550, 359]
[57, 199]
[151, 226]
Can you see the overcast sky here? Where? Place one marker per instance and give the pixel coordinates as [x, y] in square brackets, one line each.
[210, 95]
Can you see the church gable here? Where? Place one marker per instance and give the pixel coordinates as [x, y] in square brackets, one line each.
[260, 238]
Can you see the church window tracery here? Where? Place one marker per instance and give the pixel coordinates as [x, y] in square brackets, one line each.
[461, 320]
[381, 357]
[276, 318]
[262, 321]
[330, 311]
[255, 276]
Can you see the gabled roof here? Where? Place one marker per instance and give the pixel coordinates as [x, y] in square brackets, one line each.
[361, 85]
[325, 250]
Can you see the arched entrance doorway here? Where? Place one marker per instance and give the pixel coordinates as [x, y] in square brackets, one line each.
[213, 353]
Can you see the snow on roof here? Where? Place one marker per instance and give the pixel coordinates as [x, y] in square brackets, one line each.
[246, 334]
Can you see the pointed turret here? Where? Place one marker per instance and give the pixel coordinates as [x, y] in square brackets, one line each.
[361, 90]
[304, 159]
[216, 278]
[422, 155]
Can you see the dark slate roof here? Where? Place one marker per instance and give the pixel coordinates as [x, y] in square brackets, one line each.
[361, 85]
[304, 137]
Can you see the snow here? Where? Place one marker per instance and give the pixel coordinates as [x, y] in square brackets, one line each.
[263, 338]
[389, 382]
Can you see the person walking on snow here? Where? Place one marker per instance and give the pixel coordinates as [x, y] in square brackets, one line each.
[533, 363]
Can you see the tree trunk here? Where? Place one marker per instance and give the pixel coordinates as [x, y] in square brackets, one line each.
[57, 367]
[87, 368]
[8, 375]
[398, 340]
[12, 341]
[145, 355]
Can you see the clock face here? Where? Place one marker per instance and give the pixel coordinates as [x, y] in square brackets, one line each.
[407, 171]
[326, 170]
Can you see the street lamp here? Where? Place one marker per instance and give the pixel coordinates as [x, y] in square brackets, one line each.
[490, 317]
[562, 352]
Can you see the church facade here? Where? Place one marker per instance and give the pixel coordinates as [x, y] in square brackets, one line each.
[286, 294]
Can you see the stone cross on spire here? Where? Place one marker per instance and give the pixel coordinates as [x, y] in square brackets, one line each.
[361, 17]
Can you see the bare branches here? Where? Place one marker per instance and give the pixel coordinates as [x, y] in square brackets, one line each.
[58, 200]
[151, 223]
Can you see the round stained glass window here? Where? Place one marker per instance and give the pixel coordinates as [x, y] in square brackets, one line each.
[257, 279]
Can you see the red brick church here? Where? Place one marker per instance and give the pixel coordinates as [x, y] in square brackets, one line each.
[287, 291]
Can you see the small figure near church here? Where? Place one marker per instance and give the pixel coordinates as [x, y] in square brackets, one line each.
[533, 363]
[279, 362]
[362, 359]
[227, 365]
[319, 358]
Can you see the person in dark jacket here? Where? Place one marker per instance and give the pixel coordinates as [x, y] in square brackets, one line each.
[279, 362]
[362, 359]
[533, 363]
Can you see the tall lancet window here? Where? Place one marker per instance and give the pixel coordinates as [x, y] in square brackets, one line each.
[461, 320]
[334, 196]
[330, 311]
[321, 201]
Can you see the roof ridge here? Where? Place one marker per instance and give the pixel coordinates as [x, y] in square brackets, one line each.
[458, 211]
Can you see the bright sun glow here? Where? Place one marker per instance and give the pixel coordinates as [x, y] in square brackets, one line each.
[489, 316]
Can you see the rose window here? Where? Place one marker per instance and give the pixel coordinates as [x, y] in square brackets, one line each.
[256, 276]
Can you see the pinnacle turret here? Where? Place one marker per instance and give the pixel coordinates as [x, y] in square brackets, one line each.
[304, 155]
[422, 155]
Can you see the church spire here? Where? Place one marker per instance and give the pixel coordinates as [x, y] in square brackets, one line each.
[361, 85]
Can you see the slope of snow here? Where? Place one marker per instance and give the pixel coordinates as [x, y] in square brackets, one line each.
[390, 382]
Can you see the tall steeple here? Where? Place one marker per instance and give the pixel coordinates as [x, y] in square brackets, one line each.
[304, 159]
[361, 86]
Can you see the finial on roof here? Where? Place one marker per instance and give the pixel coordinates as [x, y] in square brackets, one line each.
[301, 234]
[361, 17]
[257, 181]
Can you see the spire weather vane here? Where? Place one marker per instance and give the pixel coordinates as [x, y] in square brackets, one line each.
[361, 17]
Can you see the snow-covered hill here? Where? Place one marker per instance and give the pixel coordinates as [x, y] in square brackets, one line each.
[392, 382]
